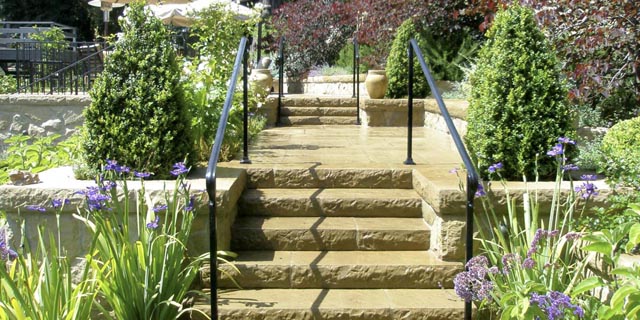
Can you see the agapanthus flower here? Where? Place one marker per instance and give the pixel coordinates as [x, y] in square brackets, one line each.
[570, 167]
[555, 304]
[111, 165]
[34, 207]
[480, 191]
[473, 285]
[566, 140]
[557, 150]
[587, 190]
[160, 208]
[495, 167]
[142, 175]
[154, 224]
[57, 203]
[179, 168]
[95, 199]
[123, 169]
[5, 251]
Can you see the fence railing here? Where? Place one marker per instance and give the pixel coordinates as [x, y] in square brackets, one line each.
[58, 67]
[472, 174]
[241, 60]
[280, 62]
[356, 77]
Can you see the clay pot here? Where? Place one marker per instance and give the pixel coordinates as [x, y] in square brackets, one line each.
[261, 80]
[376, 83]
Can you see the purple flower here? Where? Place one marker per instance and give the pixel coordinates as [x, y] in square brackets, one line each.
[566, 140]
[5, 251]
[540, 235]
[123, 169]
[142, 175]
[34, 207]
[587, 190]
[190, 205]
[57, 203]
[528, 263]
[160, 208]
[112, 165]
[509, 260]
[179, 168]
[154, 224]
[557, 150]
[480, 191]
[570, 167]
[472, 285]
[588, 177]
[495, 167]
[555, 304]
[573, 236]
[95, 199]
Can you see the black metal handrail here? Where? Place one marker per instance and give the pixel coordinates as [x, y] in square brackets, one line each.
[472, 174]
[241, 58]
[78, 74]
[280, 62]
[356, 77]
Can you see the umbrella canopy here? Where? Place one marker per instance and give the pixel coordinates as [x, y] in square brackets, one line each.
[183, 14]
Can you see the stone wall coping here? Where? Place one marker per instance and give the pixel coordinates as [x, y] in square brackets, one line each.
[457, 108]
[46, 100]
[335, 79]
[390, 104]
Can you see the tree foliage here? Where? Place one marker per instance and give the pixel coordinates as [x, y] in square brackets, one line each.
[518, 102]
[138, 113]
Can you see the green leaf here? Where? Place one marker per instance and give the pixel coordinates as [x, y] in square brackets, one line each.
[600, 247]
[618, 298]
[587, 285]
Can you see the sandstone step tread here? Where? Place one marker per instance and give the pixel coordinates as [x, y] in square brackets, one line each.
[317, 120]
[371, 304]
[340, 269]
[333, 176]
[331, 202]
[330, 233]
[319, 111]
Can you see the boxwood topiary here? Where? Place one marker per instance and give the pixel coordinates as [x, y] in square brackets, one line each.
[518, 103]
[138, 114]
[621, 153]
[398, 64]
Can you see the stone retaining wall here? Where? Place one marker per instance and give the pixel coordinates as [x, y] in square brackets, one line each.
[40, 115]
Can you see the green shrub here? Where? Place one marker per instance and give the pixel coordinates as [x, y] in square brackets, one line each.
[446, 55]
[621, 105]
[621, 154]
[138, 113]
[518, 102]
[8, 84]
[398, 64]
[345, 57]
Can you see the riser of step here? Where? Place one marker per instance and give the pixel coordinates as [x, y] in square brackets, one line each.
[317, 101]
[318, 111]
[331, 202]
[339, 270]
[316, 120]
[329, 233]
[338, 304]
[312, 177]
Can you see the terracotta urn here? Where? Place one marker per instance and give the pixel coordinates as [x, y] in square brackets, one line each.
[261, 80]
[376, 83]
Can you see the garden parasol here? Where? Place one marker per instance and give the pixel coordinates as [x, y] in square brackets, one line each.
[183, 14]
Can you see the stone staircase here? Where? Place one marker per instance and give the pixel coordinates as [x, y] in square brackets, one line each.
[316, 110]
[335, 244]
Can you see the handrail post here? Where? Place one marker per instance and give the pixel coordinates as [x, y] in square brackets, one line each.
[354, 41]
[356, 69]
[409, 160]
[472, 186]
[245, 107]
[280, 78]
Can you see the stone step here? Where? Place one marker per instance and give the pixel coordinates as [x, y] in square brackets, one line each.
[317, 120]
[334, 304]
[328, 177]
[319, 111]
[339, 270]
[329, 233]
[331, 202]
[318, 101]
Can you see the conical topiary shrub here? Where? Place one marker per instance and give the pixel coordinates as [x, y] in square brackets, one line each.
[518, 103]
[398, 64]
[138, 114]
